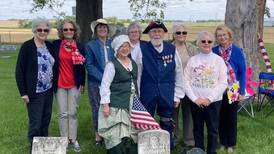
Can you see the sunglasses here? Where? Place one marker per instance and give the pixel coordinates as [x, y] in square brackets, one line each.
[68, 29]
[181, 33]
[207, 41]
[42, 30]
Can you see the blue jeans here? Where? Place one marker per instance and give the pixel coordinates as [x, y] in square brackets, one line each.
[94, 100]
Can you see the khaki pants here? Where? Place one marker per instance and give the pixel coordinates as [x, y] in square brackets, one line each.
[67, 101]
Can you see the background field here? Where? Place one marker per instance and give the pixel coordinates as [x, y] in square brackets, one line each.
[10, 33]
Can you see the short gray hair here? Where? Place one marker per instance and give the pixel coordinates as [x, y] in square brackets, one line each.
[38, 21]
[202, 34]
[135, 25]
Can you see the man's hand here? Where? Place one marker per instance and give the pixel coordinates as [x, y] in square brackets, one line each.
[25, 99]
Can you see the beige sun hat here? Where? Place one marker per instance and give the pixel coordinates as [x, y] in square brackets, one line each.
[111, 28]
[118, 41]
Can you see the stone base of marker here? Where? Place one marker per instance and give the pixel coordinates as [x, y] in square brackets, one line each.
[154, 142]
[49, 145]
[196, 151]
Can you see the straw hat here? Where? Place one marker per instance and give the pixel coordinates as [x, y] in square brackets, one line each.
[111, 28]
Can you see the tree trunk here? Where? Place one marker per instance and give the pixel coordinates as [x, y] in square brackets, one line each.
[86, 12]
[242, 17]
[261, 7]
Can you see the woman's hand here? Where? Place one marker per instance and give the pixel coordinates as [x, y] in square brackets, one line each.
[25, 99]
[106, 110]
[82, 89]
[241, 97]
[199, 102]
[176, 104]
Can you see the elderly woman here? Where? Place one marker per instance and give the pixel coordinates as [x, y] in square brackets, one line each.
[98, 52]
[205, 81]
[118, 88]
[70, 79]
[236, 73]
[185, 50]
[35, 70]
[134, 33]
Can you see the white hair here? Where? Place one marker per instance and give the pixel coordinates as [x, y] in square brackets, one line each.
[36, 22]
[203, 34]
[135, 25]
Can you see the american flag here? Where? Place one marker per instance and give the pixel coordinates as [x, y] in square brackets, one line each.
[140, 118]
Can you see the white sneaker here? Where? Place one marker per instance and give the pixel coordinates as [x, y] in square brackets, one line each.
[229, 150]
[222, 147]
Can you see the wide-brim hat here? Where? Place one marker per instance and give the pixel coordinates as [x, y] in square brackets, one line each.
[111, 28]
[155, 24]
[118, 41]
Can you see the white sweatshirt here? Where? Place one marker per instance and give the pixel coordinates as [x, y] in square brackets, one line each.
[205, 76]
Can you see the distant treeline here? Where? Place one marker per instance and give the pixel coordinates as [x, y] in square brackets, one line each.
[24, 23]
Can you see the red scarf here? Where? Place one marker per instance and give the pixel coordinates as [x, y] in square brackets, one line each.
[226, 54]
[77, 58]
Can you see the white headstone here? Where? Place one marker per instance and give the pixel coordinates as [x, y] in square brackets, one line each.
[49, 145]
[154, 142]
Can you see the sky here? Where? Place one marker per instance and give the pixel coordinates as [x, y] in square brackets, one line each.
[176, 9]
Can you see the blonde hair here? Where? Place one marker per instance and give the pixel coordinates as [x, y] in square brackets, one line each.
[224, 28]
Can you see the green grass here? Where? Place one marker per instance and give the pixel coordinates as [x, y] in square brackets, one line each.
[255, 136]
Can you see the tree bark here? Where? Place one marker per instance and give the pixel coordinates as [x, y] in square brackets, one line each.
[261, 11]
[86, 12]
[242, 17]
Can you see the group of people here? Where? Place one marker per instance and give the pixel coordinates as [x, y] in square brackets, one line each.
[166, 75]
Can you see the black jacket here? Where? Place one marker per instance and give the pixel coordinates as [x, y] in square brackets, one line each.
[79, 70]
[27, 67]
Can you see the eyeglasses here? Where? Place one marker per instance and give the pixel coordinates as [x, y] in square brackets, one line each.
[133, 32]
[68, 29]
[207, 41]
[181, 33]
[42, 30]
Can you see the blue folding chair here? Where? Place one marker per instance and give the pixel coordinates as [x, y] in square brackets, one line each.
[266, 91]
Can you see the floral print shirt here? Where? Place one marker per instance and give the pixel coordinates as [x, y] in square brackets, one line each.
[45, 73]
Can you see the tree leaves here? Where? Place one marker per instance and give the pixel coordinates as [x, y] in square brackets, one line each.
[147, 9]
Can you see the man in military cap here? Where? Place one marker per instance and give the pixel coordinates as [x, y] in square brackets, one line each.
[161, 76]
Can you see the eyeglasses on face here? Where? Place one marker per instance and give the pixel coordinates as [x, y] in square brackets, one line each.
[134, 32]
[207, 41]
[181, 33]
[40, 30]
[68, 29]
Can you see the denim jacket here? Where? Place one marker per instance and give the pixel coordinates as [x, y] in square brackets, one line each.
[95, 60]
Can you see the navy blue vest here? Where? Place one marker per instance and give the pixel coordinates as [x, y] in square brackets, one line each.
[158, 76]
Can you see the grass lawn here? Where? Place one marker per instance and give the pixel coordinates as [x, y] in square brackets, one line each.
[255, 136]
